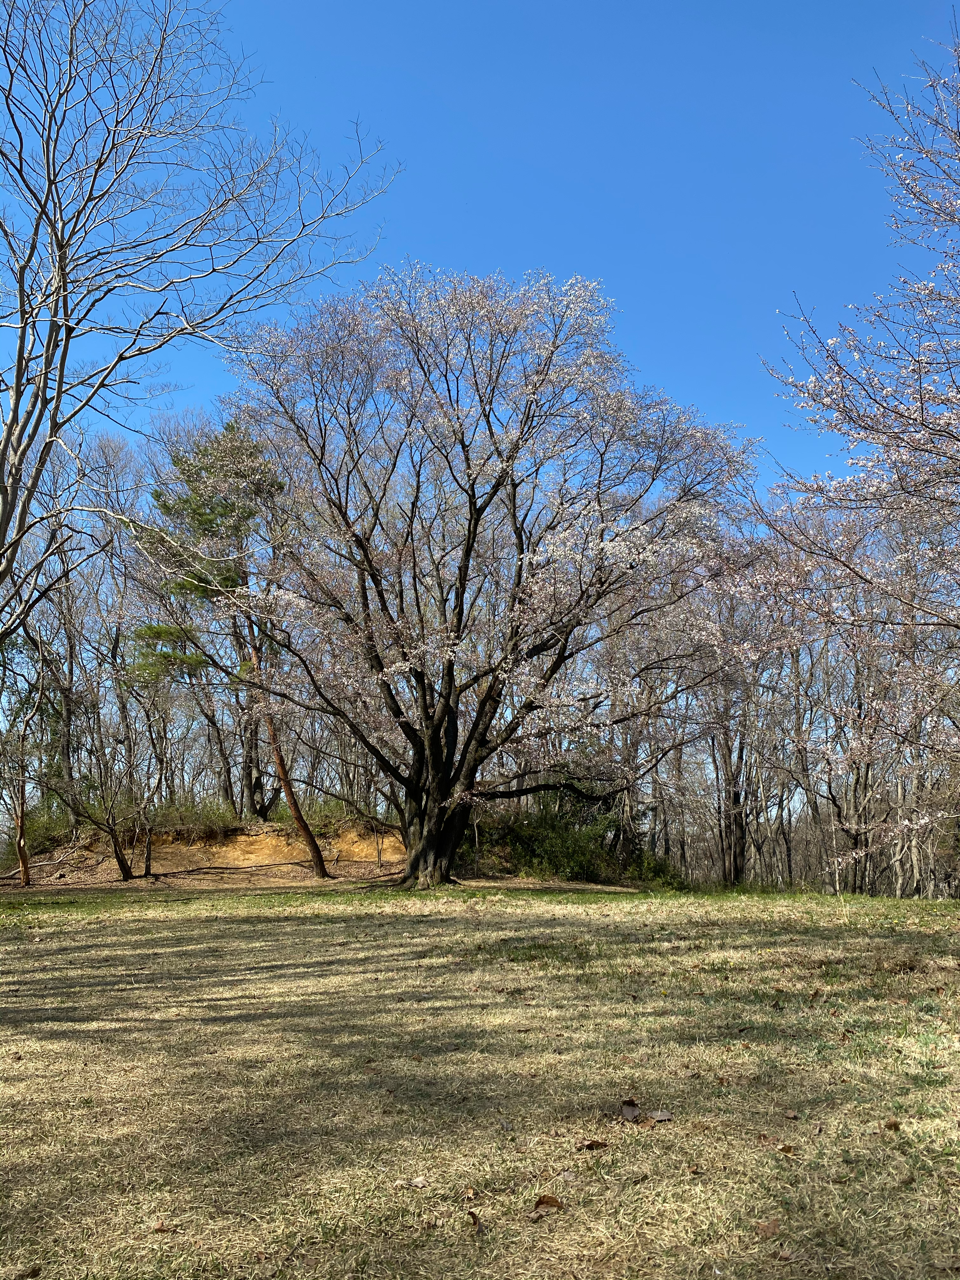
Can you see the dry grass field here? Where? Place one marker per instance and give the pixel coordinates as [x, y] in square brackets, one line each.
[327, 1084]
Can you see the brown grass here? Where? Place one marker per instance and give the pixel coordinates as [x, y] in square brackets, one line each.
[332, 1085]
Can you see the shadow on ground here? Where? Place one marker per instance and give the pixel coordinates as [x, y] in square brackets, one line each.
[385, 1086]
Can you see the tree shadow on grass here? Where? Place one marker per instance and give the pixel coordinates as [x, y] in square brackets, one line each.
[183, 1068]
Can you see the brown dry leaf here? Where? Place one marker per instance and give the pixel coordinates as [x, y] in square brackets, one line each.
[417, 1057]
[660, 1117]
[762, 1137]
[892, 1124]
[791, 1115]
[162, 1227]
[767, 1230]
[477, 1224]
[630, 1110]
[592, 1144]
[786, 1148]
[549, 1202]
[696, 1170]
[646, 1124]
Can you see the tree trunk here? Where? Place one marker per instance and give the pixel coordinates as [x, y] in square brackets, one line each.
[316, 854]
[126, 872]
[433, 835]
[23, 858]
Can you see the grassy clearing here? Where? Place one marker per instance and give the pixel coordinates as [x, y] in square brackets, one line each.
[318, 1084]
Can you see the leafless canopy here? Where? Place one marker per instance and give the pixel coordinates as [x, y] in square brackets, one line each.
[136, 212]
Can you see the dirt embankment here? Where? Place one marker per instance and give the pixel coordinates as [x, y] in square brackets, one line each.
[262, 855]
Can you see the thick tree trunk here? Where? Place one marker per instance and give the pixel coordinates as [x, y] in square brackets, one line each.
[434, 832]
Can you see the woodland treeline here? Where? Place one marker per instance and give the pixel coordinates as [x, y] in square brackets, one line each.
[442, 564]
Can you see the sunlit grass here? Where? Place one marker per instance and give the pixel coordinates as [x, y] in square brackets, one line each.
[324, 1084]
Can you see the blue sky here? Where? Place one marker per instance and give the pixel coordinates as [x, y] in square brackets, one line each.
[700, 157]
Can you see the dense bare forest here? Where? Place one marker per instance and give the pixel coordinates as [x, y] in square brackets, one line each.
[442, 565]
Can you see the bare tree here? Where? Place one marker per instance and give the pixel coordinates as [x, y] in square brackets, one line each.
[476, 499]
[137, 213]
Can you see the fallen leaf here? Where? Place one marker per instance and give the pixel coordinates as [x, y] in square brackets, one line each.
[892, 1124]
[470, 1194]
[592, 1144]
[630, 1110]
[162, 1226]
[477, 1224]
[549, 1202]
[784, 1256]
[417, 1057]
[791, 1115]
[786, 1148]
[767, 1230]
[696, 1170]
[419, 1183]
[762, 1137]
[646, 1124]
[659, 1117]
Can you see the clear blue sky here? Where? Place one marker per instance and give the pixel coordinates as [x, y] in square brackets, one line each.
[699, 157]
